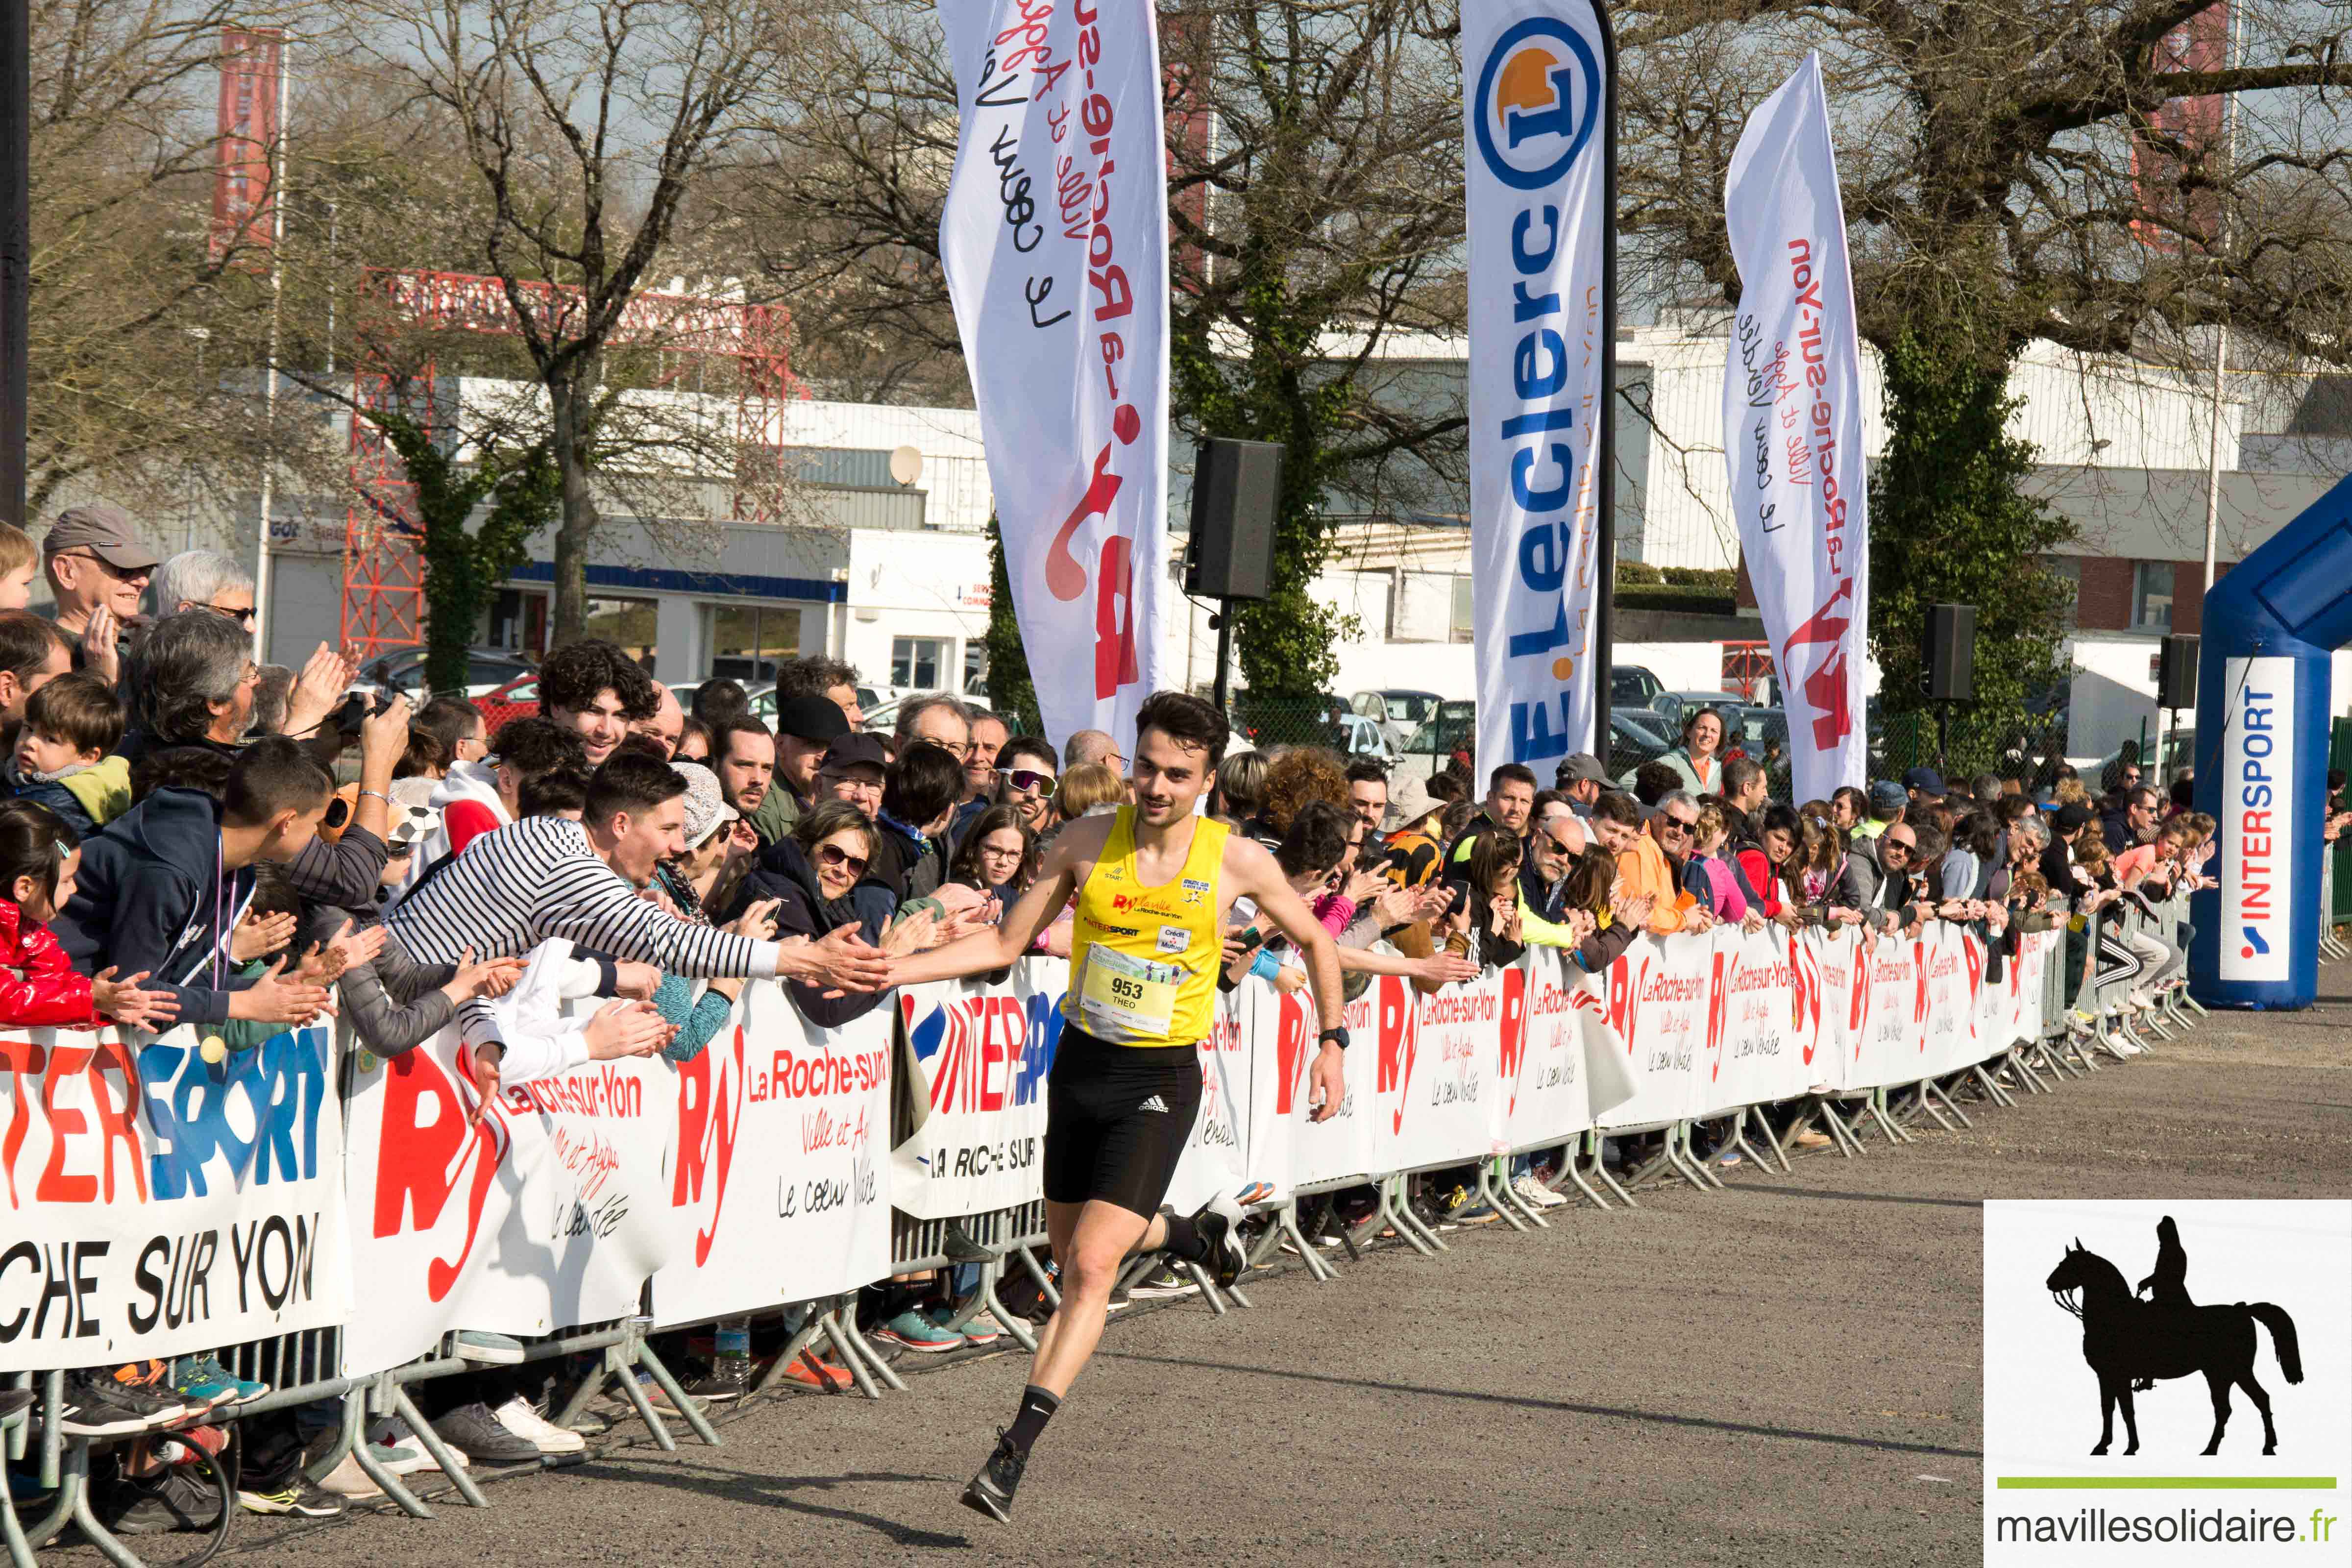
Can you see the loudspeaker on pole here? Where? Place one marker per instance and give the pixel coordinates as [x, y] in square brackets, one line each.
[1235, 488]
[1952, 650]
[2176, 677]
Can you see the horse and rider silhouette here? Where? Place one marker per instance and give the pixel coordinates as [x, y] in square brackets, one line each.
[2130, 1343]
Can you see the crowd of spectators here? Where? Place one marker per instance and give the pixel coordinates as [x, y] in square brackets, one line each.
[189, 837]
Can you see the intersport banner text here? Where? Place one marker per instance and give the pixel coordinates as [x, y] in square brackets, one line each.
[1792, 428]
[1535, 110]
[1054, 241]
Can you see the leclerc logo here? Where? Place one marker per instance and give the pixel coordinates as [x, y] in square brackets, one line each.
[1539, 99]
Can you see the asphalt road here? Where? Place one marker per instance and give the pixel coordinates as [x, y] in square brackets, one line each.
[1784, 1371]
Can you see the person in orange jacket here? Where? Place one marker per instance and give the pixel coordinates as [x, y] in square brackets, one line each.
[1649, 861]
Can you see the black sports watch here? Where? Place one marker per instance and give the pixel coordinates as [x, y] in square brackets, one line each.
[1335, 1034]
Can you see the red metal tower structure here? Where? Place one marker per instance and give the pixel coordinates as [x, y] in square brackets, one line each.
[383, 574]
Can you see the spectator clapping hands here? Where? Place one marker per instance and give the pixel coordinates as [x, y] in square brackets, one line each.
[126, 1003]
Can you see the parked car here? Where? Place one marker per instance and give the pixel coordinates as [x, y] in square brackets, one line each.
[1757, 732]
[1399, 713]
[1632, 686]
[486, 669]
[1672, 705]
[1633, 741]
[518, 698]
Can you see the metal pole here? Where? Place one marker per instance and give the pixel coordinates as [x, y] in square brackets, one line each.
[1224, 620]
[2220, 339]
[279, 190]
[1604, 529]
[16, 245]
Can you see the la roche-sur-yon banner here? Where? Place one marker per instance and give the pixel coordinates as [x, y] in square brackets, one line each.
[1792, 428]
[161, 1205]
[1536, 97]
[1054, 241]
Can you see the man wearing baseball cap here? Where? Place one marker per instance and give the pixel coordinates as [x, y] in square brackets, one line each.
[1888, 800]
[98, 570]
[1921, 786]
[1579, 777]
[806, 726]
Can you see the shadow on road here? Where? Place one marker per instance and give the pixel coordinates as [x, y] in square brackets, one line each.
[1854, 1197]
[739, 1486]
[1618, 1411]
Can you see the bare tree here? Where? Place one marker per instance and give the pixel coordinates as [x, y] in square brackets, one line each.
[587, 123]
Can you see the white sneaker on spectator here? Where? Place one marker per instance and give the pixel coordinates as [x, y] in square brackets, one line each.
[1528, 1190]
[517, 1418]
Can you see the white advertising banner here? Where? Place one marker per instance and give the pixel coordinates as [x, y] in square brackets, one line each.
[1792, 428]
[780, 1183]
[1211, 1160]
[549, 1212]
[1845, 959]
[160, 1205]
[1545, 1084]
[1752, 1056]
[984, 1051]
[1054, 242]
[1434, 1093]
[1340, 1146]
[2256, 865]
[1658, 1008]
[1535, 131]
[1897, 1014]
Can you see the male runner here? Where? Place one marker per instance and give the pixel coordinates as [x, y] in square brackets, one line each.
[1152, 883]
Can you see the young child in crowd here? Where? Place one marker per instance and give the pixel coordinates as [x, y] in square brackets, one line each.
[38, 985]
[61, 759]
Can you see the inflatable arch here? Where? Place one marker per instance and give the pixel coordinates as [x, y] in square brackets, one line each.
[2261, 758]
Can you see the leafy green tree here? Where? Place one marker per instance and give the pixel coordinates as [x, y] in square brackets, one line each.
[465, 563]
[1010, 690]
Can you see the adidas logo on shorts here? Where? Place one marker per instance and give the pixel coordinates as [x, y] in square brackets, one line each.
[1154, 1103]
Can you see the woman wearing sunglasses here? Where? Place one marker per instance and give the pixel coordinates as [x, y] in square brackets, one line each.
[817, 877]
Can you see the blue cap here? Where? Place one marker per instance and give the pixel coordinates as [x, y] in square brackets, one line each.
[1888, 795]
[1927, 781]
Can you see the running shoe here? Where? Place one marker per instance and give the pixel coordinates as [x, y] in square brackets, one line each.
[917, 1333]
[479, 1435]
[203, 1377]
[1219, 1223]
[481, 1345]
[1476, 1213]
[1528, 1190]
[979, 1328]
[92, 1408]
[140, 1385]
[991, 1491]
[300, 1498]
[810, 1372]
[171, 1499]
[517, 1418]
[348, 1481]
[1163, 1282]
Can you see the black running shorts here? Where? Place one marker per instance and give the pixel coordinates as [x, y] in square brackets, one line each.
[1116, 1119]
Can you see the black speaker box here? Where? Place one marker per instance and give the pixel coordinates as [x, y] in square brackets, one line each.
[2176, 677]
[1951, 652]
[1235, 488]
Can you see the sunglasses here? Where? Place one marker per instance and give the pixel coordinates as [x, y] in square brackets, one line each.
[111, 570]
[1026, 779]
[827, 854]
[1676, 824]
[242, 618]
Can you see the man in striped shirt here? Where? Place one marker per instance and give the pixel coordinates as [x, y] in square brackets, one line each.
[550, 877]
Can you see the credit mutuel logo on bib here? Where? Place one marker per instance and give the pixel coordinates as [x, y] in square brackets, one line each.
[2257, 816]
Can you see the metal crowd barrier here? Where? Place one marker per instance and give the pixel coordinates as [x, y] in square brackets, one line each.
[303, 1368]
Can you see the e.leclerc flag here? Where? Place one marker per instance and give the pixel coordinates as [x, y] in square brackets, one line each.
[1535, 105]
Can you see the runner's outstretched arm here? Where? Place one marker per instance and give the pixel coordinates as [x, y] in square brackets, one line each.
[1253, 871]
[981, 952]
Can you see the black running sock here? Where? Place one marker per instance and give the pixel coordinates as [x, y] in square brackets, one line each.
[1184, 1240]
[1037, 1407]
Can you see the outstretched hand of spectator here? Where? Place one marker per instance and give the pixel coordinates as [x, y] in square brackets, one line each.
[635, 982]
[279, 997]
[482, 1072]
[910, 935]
[384, 738]
[1362, 884]
[1753, 921]
[317, 688]
[342, 952]
[126, 1003]
[1290, 979]
[1630, 912]
[758, 920]
[845, 961]
[1437, 969]
[626, 1029]
[491, 977]
[259, 934]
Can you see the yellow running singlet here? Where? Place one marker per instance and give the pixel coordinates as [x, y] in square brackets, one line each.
[1143, 961]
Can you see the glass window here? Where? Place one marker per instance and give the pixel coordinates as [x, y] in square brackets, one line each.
[627, 623]
[1464, 611]
[916, 662]
[975, 667]
[2152, 595]
[748, 641]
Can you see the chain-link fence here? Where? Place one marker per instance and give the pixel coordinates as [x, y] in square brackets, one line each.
[1434, 736]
